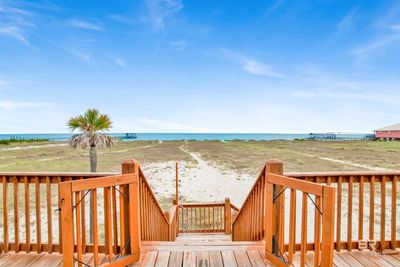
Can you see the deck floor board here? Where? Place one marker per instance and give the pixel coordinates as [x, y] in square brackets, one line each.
[194, 256]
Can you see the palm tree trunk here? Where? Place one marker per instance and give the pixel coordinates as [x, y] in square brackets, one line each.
[93, 168]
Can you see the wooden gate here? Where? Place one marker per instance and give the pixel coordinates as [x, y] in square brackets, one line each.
[120, 237]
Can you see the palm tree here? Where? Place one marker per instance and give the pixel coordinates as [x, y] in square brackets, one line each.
[91, 125]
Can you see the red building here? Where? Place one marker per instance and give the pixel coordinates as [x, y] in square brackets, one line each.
[391, 132]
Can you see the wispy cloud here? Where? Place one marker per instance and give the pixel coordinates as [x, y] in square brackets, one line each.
[85, 56]
[348, 22]
[13, 105]
[158, 11]
[273, 7]
[15, 33]
[178, 45]
[250, 65]
[378, 43]
[120, 62]
[87, 25]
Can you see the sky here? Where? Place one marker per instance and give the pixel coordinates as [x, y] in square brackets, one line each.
[274, 66]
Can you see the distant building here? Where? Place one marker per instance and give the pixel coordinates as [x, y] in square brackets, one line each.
[391, 132]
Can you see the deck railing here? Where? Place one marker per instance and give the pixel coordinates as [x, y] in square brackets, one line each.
[249, 222]
[205, 217]
[29, 210]
[322, 197]
[123, 221]
[366, 208]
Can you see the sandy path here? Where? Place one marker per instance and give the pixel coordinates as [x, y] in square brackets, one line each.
[200, 181]
[31, 147]
[345, 162]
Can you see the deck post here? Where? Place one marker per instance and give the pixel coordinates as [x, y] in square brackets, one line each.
[328, 223]
[228, 216]
[176, 184]
[67, 229]
[132, 208]
[277, 220]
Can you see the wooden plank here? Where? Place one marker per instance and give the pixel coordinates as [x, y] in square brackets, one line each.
[328, 211]
[383, 213]
[339, 214]
[134, 219]
[175, 259]
[101, 182]
[78, 227]
[346, 256]
[317, 232]
[108, 223]
[292, 183]
[189, 259]
[149, 259]
[114, 219]
[363, 259]
[371, 208]
[361, 209]
[303, 230]
[67, 223]
[48, 260]
[203, 259]
[394, 208]
[339, 262]
[162, 259]
[216, 259]
[38, 217]
[391, 260]
[5, 212]
[27, 216]
[228, 258]
[241, 258]
[95, 228]
[49, 217]
[292, 225]
[16, 217]
[350, 214]
[255, 258]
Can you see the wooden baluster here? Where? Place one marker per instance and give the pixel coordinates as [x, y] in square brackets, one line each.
[371, 208]
[317, 232]
[228, 216]
[187, 219]
[27, 216]
[292, 225]
[114, 219]
[95, 229]
[78, 205]
[383, 212]
[361, 209]
[339, 214]
[269, 214]
[304, 211]
[16, 217]
[122, 220]
[5, 212]
[49, 217]
[38, 217]
[394, 207]
[108, 223]
[60, 234]
[350, 214]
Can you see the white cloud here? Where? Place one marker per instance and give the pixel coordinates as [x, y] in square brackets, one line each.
[249, 64]
[376, 44]
[87, 25]
[120, 62]
[348, 21]
[160, 10]
[85, 56]
[178, 44]
[12, 105]
[15, 33]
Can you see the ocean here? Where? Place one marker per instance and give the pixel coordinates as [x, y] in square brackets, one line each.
[187, 136]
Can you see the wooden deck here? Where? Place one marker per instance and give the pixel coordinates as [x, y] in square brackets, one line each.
[204, 251]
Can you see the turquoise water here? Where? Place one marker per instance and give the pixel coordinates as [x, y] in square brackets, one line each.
[188, 136]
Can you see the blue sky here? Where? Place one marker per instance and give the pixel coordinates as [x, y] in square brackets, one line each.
[201, 66]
